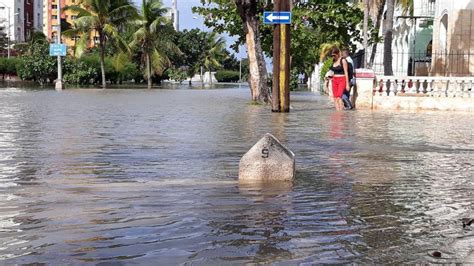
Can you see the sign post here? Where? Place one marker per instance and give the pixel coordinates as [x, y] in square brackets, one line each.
[281, 18]
[59, 82]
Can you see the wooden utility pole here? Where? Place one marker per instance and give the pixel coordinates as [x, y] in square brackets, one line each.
[276, 63]
[281, 61]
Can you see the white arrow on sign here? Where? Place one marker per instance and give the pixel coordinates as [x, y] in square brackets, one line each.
[271, 17]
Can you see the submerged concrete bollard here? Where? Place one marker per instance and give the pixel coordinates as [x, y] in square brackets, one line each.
[267, 160]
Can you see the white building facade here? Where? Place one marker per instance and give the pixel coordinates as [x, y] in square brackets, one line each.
[453, 38]
[412, 41]
[437, 40]
[11, 13]
[18, 18]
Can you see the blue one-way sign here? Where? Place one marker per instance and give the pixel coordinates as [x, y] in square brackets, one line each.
[283, 17]
[57, 49]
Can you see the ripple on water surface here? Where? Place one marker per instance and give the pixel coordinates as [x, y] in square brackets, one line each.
[140, 176]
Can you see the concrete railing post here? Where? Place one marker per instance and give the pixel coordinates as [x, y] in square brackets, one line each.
[364, 88]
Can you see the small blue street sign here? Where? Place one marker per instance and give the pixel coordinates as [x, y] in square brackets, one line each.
[283, 17]
[56, 49]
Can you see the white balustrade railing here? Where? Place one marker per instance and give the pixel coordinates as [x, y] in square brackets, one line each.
[453, 87]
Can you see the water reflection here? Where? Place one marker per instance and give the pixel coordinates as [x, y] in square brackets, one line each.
[133, 176]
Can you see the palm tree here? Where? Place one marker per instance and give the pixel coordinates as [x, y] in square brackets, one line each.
[152, 37]
[104, 18]
[214, 52]
[365, 31]
[375, 9]
[388, 37]
[407, 7]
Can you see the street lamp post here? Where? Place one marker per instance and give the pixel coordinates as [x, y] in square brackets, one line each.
[59, 82]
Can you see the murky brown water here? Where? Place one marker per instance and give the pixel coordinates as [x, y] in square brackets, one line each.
[150, 177]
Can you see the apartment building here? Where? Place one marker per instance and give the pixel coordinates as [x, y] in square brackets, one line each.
[50, 19]
[19, 18]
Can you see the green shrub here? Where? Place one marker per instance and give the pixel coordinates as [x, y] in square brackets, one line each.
[12, 65]
[115, 73]
[38, 65]
[325, 68]
[294, 77]
[130, 71]
[177, 74]
[79, 72]
[3, 65]
[227, 76]
[8, 66]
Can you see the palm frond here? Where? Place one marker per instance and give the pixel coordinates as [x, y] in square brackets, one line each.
[114, 35]
[326, 48]
[86, 23]
[81, 45]
[159, 62]
[80, 11]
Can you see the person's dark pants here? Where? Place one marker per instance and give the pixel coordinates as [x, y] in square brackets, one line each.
[346, 96]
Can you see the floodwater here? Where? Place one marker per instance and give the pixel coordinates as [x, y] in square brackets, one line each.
[150, 177]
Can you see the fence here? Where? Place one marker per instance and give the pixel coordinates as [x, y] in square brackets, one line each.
[450, 87]
[439, 63]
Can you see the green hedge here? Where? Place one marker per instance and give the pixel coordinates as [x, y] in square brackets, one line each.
[79, 72]
[227, 76]
[8, 66]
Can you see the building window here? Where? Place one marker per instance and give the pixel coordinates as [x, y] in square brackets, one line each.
[73, 17]
[54, 6]
[54, 17]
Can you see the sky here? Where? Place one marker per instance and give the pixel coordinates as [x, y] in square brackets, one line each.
[188, 20]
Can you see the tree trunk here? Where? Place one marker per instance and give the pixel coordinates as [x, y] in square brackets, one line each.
[388, 36]
[365, 30]
[210, 77]
[148, 70]
[377, 28]
[102, 59]
[250, 15]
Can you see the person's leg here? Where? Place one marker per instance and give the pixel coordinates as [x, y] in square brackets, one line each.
[346, 99]
[335, 88]
[340, 104]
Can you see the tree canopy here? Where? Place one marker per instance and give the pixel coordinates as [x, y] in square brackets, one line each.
[315, 22]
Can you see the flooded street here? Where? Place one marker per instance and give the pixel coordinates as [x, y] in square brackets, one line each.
[150, 177]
